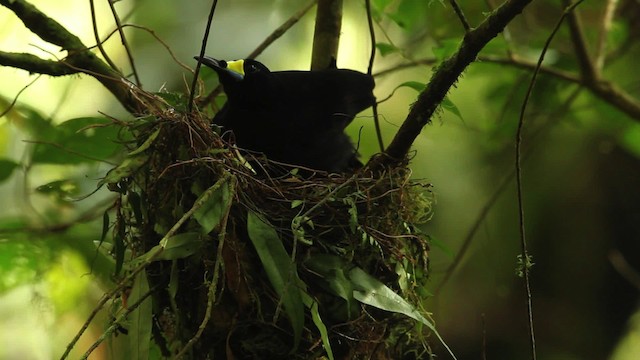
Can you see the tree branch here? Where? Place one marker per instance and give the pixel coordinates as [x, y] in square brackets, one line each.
[587, 67]
[445, 77]
[79, 58]
[326, 36]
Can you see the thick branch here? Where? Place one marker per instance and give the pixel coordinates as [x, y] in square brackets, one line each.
[34, 64]
[446, 75]
[79, 58]
[326, 37]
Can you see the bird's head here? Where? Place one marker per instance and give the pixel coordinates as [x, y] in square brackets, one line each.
[233, 72]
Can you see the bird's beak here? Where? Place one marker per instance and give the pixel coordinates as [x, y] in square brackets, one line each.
[232, 69]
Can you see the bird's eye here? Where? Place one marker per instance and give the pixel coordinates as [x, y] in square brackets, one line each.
[253, 68]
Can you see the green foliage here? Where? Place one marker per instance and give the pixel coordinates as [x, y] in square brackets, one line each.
[6, 169]
[281, 271]
[75, 141]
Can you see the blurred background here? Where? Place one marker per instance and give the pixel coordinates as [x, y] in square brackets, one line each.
[581, 168]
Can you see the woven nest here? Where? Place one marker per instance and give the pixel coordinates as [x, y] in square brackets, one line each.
[368, 220]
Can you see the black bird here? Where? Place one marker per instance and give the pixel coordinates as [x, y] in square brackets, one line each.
[294, 117]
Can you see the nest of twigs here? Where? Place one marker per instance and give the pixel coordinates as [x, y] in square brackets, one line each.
[217, 296]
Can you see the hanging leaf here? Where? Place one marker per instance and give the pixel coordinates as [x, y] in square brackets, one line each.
[370, 291]
[280, 270]
[317, 321]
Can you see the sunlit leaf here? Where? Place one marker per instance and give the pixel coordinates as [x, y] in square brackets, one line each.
[280, 270]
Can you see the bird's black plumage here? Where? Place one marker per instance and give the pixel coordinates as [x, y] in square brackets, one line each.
[295, 117]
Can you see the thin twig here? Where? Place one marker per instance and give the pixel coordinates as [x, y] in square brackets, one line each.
[372, 36]
[275, 35]
[123, 38]
[94, 24]
[203, 49]
[607, 20]
[15, 98]
[518, 167]
[458, 11]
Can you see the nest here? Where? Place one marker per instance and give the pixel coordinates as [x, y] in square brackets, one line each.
[368, 220]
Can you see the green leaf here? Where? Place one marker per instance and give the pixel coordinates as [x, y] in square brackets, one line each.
[296, 203]
[140, 330]
[180, 246]
[146, 144]
[370, 291]
[386, 49]
[417, 86]
[409, 13]
[63, 190]
[176, 247]
[333, 271]
[6, 168]
[75, 141]
[317, 321]
[127, 168]
[280, 270]
[213, 209]
[449, 106]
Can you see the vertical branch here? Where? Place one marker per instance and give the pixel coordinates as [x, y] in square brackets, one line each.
[518, 166]
[326, 37]
[124, 42]
[587, 68]
[203, 49]
[372, 35]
